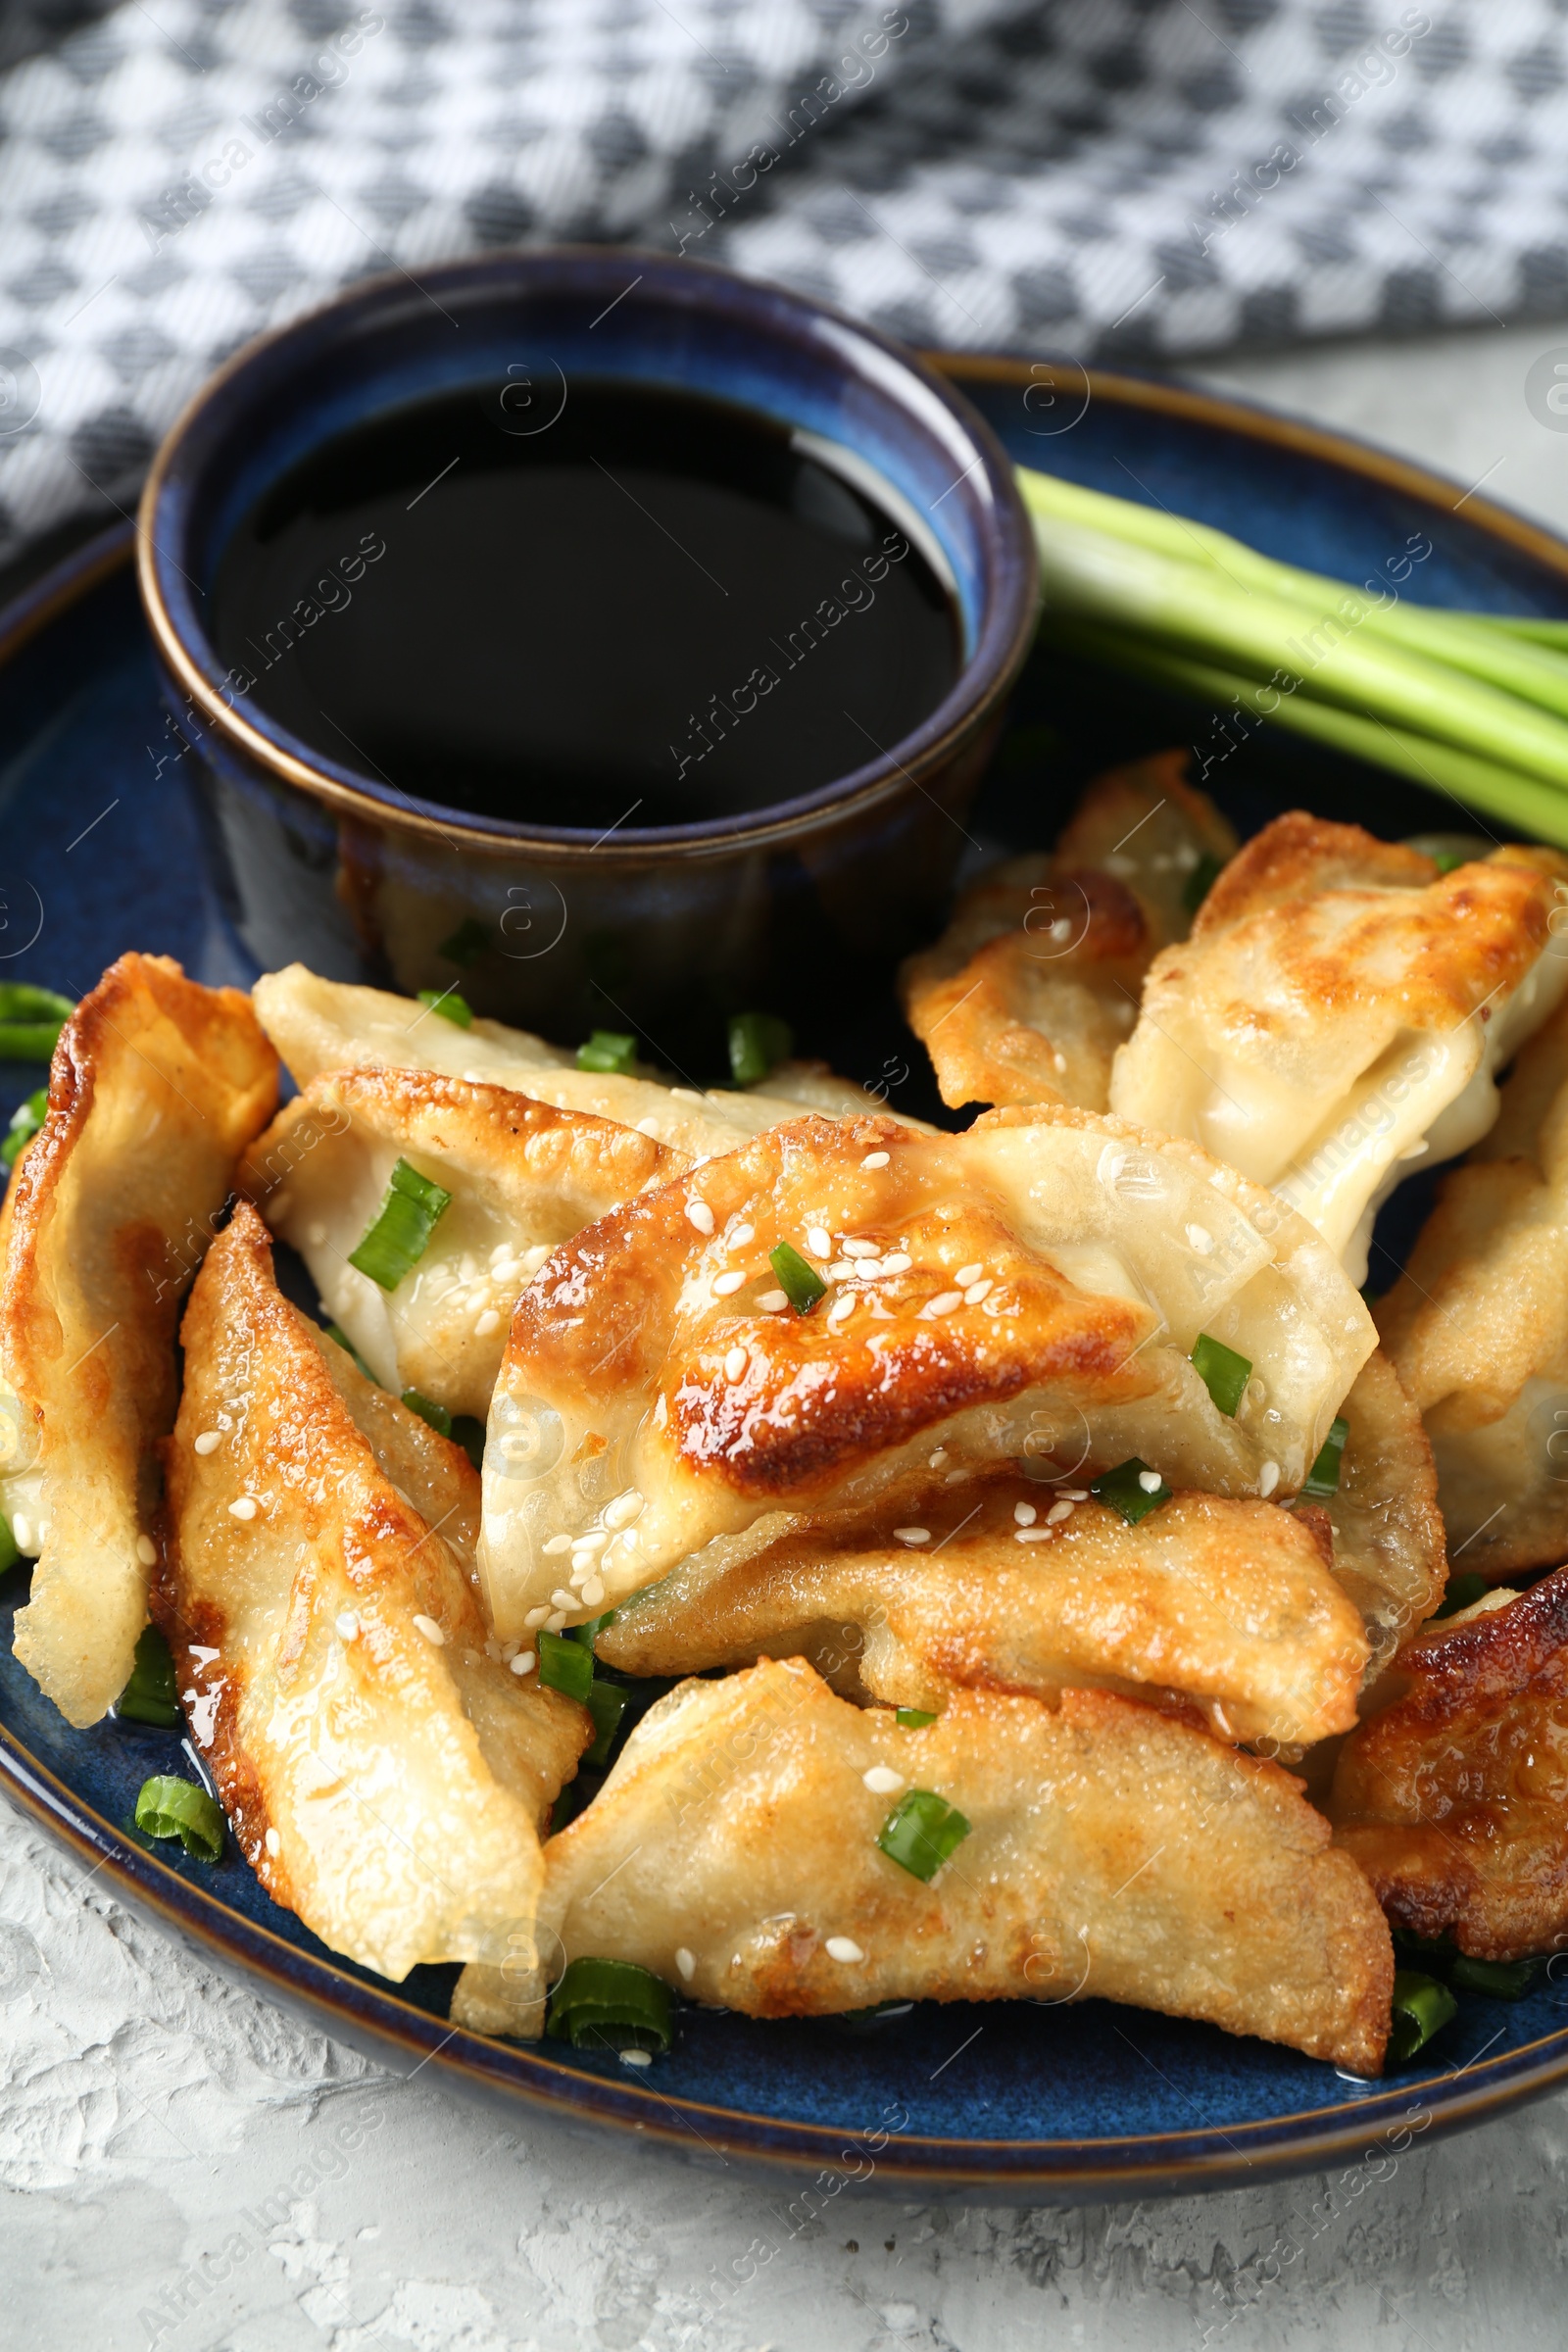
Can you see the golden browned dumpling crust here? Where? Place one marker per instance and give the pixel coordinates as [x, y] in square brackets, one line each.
[1454, 1798]
[156, 1087]
[385, 1773]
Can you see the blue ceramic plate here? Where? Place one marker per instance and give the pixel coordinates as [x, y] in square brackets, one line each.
[99, 853]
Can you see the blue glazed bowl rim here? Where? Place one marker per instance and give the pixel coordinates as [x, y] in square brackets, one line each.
[203, 434]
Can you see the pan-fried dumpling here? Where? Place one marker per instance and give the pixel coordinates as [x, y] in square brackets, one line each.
[1340, 1012]
[1109, 1851]
[157, 1086]
[1230, 1605]
[1388, 1548]
[1454, 1798]
[522, 1176]
[1035, 982]
[1032, 1288]
[319, 1025]
[385, 1773]
[1478, 1325]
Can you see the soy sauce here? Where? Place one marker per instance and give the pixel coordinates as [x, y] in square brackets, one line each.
[657, 609]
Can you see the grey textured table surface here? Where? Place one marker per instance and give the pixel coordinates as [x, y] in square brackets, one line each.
[183, 2166]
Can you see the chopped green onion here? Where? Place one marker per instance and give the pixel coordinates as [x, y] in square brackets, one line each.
[8, 1552]
[30, 1020]
[468, 943]
[912, 1719]
[401, 1234]
[1126, 1490]
[1498, 1979]
[1422, 2007]
[150, 1693]
[564, 1665]
[1201, 880]
[589, 1633]
[166, 1807]
[469, 1433]
[799, 1283]
[921, 1832]
[606, 1704]
[1459, 1594]
[1323, 1479]
[611, 2005]
[439, 1418]
[335, 1331]
[1223, 1373]
[449, 1004]
[758, 1042]
[26, 1122]
[608, 1050]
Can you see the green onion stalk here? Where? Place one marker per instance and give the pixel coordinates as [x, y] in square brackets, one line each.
[1472, 706]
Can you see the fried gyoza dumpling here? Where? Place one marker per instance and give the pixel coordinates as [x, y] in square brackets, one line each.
[1340, 1012]
[1388, 1549]
[1030, 1288]
[385, 1772]
[157, 1086]
[1230, 1605]
[1035, 982]
[1478, 1325]
[1455, 1799]
[319, 1025]
[522, 1176]
[1109, 1851]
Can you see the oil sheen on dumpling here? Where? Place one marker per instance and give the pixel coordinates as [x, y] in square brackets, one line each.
[1230, 1605]
[522, 1176]
[1478, 1326]
[157, 1086]
[319, 1025]
[1035, 983]
[1030, 1289]
[1112, 1851]
[385, 1773]
[1340, 1011]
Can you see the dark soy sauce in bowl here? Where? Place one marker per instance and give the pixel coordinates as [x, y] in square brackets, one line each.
[659, 610]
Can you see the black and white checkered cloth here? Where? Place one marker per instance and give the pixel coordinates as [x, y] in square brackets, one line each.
[1112, 178]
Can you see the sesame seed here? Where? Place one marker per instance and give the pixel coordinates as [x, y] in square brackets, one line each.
[557, 1544]
[44, 1526]
[272, 1842]
[1075, 1493]
[741, 1236]
[243, 1507]
[684, 1093]
[942, 1304]
[841, 1309]
[939, 1461]
[1268, 1478]
[1025, 1513]
[501, 1254]
[976, 1291]
[209, 1441]
[348, 1626]
[638, 2058]
[958, 1478]
[686, 1962]
[488, 1322]
[315, 1234]
[557, 1617]
[594, 1540]
[564, 1600]
[524, 1662]
[1150, 1480]
[701, 1215]
[647, 1127]
[593, 1592]
[1202, 1239]
[875, 1159]
[912, 1534]
[773, 1303]
[735, 1364]
[147, 1551]
[1031, 1534]
[860, 1249]
[819, 1243]
[845, 1948]
[899, 1263]
[725, 1285]
[625, 1508]
[844, 1269]
[882, 1780]
[1059, 1061]
[967, 1274]
[1059, 1511]
[430, 1630]
[535, 1617]
[21, 1529]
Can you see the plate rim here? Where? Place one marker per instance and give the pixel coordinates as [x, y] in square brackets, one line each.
[379, 2022]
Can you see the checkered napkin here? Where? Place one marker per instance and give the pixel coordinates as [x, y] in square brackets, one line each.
[1113, 178]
